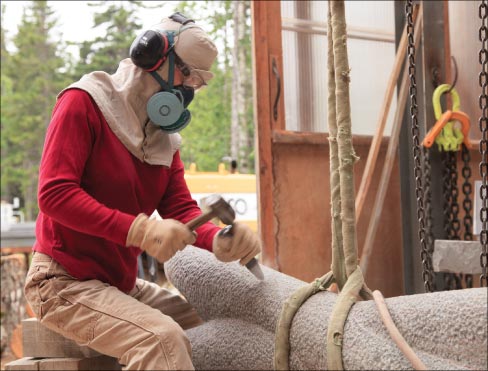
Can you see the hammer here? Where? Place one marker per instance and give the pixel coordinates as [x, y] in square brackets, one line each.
[217, 207]
[220, 208]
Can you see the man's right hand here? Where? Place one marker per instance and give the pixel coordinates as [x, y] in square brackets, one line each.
[159, 238]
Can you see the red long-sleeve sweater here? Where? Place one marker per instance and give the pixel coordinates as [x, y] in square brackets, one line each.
[90, 190]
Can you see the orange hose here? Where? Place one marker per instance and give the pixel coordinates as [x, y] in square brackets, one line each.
[395, 334]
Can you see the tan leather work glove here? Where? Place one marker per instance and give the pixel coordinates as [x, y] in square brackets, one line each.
[242, 243]
[159, 238]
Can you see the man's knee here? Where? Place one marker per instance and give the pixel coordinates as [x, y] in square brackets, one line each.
[166, 348]
[173, 333]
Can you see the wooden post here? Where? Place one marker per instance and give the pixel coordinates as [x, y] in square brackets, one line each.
[267, 82]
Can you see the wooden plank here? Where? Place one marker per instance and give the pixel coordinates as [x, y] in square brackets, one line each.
[389, 162]
[100, 363]
[92, 363]
[456, 256]
[266, 38]
[294, 137]
[380, 127]
[39, 341]
[68, 364]
[320, 28]
[16, 250]
[303, 215]
[302, 209]
[384, 180]
[263, 132]
[26, 363]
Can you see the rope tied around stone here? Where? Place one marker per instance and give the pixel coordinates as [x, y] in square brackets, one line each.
[290, 308]
[318, 285]
[345, 270]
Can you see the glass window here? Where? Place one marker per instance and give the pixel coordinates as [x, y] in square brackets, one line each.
[371, 54]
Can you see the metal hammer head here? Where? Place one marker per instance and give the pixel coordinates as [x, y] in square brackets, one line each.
[221, 208]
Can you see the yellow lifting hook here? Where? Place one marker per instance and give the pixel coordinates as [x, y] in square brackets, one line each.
[444, 132]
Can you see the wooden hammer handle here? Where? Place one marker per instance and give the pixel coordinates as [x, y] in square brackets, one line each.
[200, 220]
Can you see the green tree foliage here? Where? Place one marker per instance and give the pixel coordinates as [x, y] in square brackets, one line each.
[6, 89]
[105, 52]
[246, 45]
[206, 141]
[32, 80]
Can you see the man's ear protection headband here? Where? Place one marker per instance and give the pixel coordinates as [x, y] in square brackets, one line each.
[150, 49]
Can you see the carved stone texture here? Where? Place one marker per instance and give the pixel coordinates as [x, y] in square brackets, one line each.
[447, 330]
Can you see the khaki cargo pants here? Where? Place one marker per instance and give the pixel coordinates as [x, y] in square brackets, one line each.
[142, 329]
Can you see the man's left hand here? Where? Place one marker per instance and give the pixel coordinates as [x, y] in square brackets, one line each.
[241, 243]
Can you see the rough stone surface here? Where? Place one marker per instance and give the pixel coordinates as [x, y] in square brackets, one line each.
[457, 256]
[447, 330]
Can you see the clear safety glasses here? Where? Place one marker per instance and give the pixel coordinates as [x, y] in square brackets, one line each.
[191, 77]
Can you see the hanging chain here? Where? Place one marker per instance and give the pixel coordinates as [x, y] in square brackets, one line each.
[446, 192]
[429, 222]
[467, 204]
[454, 207]
[428, 200]
[455, 224]
[452, 225]
[446, 210]
[424, 255]
[483, 125]
[467, 191]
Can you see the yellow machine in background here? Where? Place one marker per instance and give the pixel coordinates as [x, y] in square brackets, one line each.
[239, 190]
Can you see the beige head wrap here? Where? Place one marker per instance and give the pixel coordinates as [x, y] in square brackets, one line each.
[192, 45]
